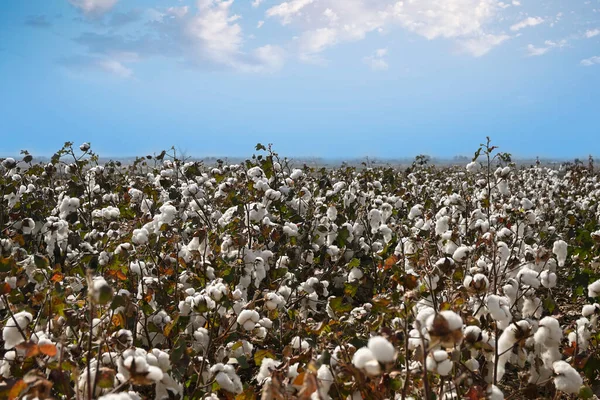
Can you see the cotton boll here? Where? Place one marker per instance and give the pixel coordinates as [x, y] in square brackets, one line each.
[267, 365]
[382, 350]
[567, 379]
[473, 167]
[445, 327]
[461, 253]
[548, 279]
[529, 277]
[355, 275]
[365, 359]
[325, 378]
[594, 289]
[512, 335]
[590, 309]
[560, 251]
[494, 393]
[549, 332]
[12, 330]
[439, 362]
[248, 319]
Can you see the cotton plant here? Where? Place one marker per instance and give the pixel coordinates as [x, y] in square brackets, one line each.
[219, 280]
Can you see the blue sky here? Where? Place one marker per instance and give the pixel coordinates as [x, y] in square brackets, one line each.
[328, 78]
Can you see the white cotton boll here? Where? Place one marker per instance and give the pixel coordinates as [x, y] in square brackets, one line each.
[273, 301]
[559, 249]
[472, 364]
[415, 211]
[248, 319]
[507, 340]
[567, 379]
[296, 174]
[473, 167]
[140, 236]
[594, 289]
[494, 393]
[532, 307]
[442, 225]
[549, 332]
[267, 365]
[548, 279]
[355, 275]
[365, 359]
[299, 343]
[11, 334]
[526, 204]
[325, 378]
[529, 277]
[590, 309]
[461, 253]
[290, 229]
[382, 349]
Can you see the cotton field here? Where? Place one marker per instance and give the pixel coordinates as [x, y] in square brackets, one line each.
[173, 279]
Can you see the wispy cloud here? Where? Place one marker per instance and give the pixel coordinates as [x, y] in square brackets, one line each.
[527, 22]
[377, 61]
[94, 8]
[590, 33]
[588, 62]
[534, 51]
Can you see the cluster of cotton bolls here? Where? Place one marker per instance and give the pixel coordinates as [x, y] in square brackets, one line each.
[179, 280]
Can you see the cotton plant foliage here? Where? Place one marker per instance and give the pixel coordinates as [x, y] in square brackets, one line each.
[168, 278]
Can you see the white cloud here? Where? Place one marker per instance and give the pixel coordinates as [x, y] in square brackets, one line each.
[260, 24]
[377, 61]
[315, 41]
[527, 22]
[482, 44]
[590, 33]
[516, 3]
[116, 68]
[94, 7]
[536, 51]
[549, 45]
[213, 34]
[445, 18]
[178, 12]
[286, 10]
[588, 62]
[256, 3]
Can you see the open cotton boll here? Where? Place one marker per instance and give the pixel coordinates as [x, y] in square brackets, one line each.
[12, 330]
[594, 289]
[382, 349]
[227, 379]
[549, 332]
[445, 327]
[438, 362]
[560, 251]
[548, 279]
[529, 277]
[512, 335]
[461, 253]
[494, 393]
[567, 379]
[248, 319]
[590, 309]
[355, 275]
[473, 167]
[365, 359]
[267, 365]
[325, 378]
